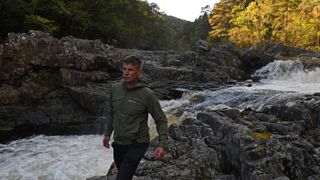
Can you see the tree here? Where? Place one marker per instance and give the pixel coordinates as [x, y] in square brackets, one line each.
[201, 25]
[13, 14]
[221, 18]
[251, 23]
[122, 23]
[305, 26]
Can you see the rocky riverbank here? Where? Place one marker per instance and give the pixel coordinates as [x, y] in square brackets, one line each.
[60, 86]
[229, 144]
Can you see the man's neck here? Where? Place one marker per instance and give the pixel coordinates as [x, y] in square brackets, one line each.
[131, 85]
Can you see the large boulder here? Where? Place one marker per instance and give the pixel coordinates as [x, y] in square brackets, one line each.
[254, 59]
[46, 85]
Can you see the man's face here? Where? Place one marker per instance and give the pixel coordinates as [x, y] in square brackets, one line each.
[130, 73]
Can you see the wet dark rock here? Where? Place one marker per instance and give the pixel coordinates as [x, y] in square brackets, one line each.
[316, 94]
[91, 97]
[165, 90]
[201, 46]
[77, 78]
[300, 108]
[8, 95]
[253, 59]
[284, 51]
[45, 85]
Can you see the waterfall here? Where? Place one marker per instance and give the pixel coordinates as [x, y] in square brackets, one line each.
[279, 80]
[288, 76]
[291, 71]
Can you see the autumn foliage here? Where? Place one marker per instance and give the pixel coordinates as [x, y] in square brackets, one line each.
[293, 23]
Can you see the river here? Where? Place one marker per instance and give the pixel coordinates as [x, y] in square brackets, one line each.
[80, 157]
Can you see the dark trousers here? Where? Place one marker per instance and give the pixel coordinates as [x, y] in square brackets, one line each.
[127, 158]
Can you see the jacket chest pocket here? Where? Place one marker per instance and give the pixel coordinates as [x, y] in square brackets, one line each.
[134, 106]
[116, 104]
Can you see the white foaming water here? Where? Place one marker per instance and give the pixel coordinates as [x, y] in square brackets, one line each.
[239, 97]
[288, 76]
[170, 107]
[54, 158]
[61, 157]
[279, 80]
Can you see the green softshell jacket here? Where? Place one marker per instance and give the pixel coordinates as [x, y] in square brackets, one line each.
[128, 115]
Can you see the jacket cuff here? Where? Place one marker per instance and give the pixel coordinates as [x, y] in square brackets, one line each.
[164, 145]
[107, 133]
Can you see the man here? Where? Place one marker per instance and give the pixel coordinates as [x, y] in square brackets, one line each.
[130, 103]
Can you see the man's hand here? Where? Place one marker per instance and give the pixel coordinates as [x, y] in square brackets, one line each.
[158, 153]
[106, 140]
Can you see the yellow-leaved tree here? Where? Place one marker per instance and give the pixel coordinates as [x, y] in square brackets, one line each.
[293, 23]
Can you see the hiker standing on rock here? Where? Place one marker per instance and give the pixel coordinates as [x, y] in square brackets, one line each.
[130, 104]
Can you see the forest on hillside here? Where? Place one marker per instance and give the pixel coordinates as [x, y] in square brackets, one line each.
[122, 23]
[293, 23]
[138, 24]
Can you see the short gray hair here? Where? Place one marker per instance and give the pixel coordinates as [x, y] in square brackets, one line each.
[132, 59]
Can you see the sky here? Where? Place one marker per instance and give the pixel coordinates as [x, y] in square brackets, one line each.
[183, 9]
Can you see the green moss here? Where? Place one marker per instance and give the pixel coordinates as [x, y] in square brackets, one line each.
[172, 118]
[261, 135]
